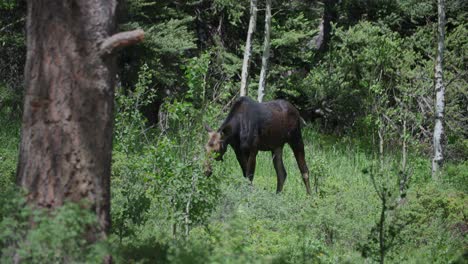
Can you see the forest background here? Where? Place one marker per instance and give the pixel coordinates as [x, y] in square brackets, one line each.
[366, 92]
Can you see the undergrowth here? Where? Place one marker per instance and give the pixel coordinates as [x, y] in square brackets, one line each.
[165, 210]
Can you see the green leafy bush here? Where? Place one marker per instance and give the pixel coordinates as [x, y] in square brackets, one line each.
[57, 236]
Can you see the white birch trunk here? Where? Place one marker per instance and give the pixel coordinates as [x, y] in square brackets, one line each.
[381, 145]
[188, 204]
[404, 153]
[266, 53]
[404, 149]
[440, 95]
[248, 47]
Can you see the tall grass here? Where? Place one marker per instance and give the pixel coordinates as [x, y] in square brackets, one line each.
[250, 223]
[253, 224]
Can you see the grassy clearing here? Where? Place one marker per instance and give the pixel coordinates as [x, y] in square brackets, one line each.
[336, 219]
[251, 224]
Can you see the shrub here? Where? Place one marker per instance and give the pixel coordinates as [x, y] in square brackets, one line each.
[56, 237]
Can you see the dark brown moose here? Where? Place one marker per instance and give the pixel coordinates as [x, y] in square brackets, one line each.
[251, 127]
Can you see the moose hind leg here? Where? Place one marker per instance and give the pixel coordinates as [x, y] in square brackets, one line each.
[298, 148]
[279, 168]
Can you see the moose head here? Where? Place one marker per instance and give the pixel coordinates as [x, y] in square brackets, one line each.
[216, 144]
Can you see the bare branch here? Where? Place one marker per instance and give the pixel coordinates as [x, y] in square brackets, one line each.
[12, 24]
[120, 40]
[456, 77]
[425, 132]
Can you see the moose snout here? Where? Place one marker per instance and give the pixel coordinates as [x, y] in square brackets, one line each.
[208, 173]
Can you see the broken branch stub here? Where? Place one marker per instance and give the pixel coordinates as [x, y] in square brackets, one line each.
[120, 40]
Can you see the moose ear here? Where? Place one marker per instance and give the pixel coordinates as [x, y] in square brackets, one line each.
[207, 127]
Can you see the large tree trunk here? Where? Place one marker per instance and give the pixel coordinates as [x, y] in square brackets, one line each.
[66, 138]
[248, 48]
[438, 158]
[266, 53]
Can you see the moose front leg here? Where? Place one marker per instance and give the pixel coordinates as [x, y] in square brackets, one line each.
[242, 158]
[251, 162]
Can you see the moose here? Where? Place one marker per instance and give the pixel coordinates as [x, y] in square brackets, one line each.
[251, 127]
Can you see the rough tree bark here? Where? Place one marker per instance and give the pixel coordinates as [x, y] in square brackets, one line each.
[438, 158]
[266, 52]
[248, 48]
[66, 138]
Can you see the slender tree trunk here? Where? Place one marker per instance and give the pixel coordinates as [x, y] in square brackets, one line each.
[438, 158]
[266, 53]
[404, 148]
[329, 15]
[381, 146]
[404, 154]
[66, 138]
[188, 205]
[382, 246]
[248, 48]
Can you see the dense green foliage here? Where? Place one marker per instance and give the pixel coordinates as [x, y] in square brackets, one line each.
[376, 76]
[231, 221]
